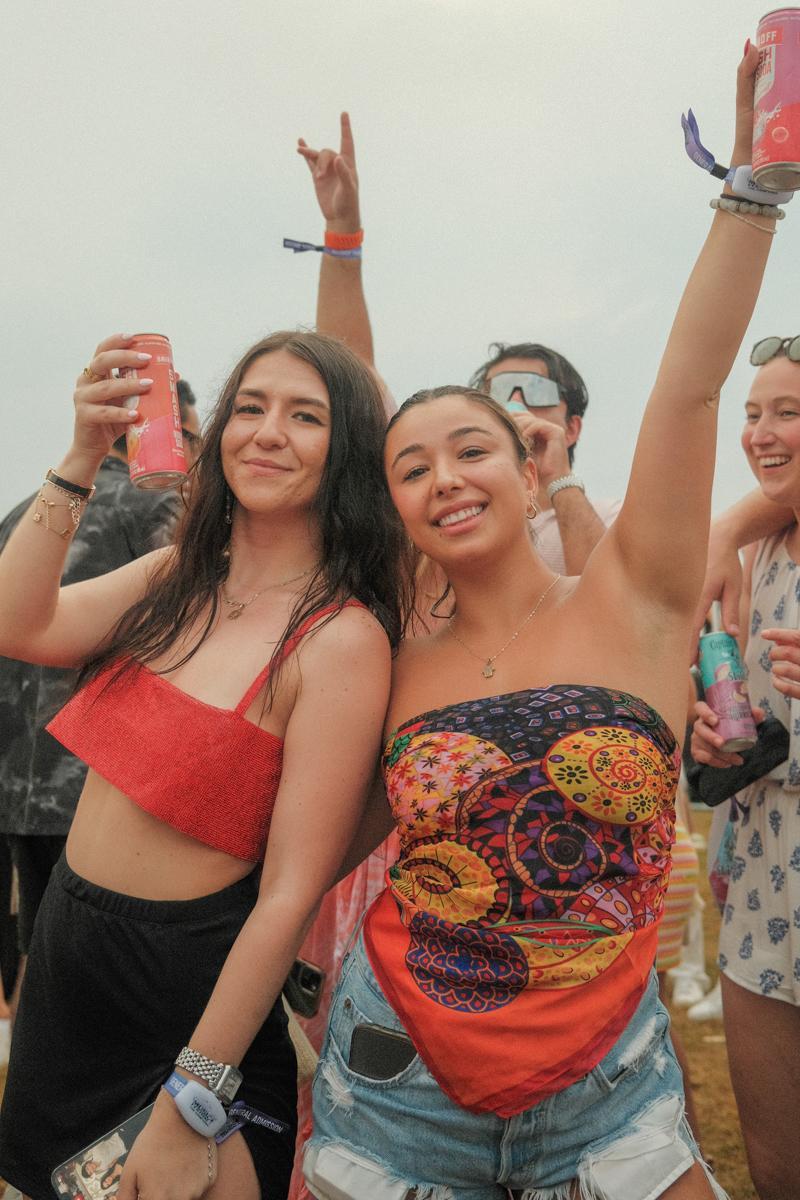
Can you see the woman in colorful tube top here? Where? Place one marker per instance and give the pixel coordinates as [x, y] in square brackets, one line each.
[233, 694]
[497, 1027]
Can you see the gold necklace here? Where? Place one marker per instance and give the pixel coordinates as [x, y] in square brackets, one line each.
[488, 668]
[237, 607]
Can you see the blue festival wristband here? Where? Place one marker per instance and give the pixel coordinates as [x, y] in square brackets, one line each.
[241, 1114]
[739, 179]
[302, 247]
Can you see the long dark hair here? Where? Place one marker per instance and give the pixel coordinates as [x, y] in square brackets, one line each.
[363, 544]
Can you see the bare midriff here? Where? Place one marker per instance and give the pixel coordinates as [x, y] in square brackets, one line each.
[117, 845]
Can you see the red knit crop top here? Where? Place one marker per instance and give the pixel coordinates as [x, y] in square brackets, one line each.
[221, 791]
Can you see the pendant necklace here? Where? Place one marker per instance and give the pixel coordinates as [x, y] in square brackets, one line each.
[488, 667]
[237, 607]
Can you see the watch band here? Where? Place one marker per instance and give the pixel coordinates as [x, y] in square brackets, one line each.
[566, 481]
[222, 1079]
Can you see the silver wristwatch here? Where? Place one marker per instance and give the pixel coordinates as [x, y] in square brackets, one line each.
[222, 1079]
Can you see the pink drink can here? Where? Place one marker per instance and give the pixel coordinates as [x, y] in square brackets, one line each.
[776, 116]
[156, 458]
[725, 687]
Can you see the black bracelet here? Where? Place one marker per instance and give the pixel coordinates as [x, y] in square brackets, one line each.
[74, 489]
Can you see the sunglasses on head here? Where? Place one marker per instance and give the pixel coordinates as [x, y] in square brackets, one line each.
[769, 347]
[521, 391]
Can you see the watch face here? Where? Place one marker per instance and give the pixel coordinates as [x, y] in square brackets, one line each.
[228, 1084]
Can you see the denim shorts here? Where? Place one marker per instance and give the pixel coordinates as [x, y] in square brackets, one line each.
[620, 1131]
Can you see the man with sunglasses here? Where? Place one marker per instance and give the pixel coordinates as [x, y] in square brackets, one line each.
[540, 387]
[547, 397]
[40, 781]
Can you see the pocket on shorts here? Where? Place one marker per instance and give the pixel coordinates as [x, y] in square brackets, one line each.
[638, 1048]
[360, 1002]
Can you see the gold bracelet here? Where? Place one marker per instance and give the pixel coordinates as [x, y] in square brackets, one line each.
[73, 503]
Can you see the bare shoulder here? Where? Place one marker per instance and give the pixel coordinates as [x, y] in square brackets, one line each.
[354, 634]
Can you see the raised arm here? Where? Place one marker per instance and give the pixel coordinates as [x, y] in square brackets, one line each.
[660, 536]
[39, 620]
[341, 305]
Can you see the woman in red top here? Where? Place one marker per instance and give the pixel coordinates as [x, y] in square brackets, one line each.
[210, 717]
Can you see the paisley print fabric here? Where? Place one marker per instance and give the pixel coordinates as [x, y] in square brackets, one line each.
[519, 924]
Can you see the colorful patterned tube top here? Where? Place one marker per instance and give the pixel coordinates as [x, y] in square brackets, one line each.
[518, 927]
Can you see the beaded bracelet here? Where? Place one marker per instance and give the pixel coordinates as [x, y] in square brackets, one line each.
[731, 205]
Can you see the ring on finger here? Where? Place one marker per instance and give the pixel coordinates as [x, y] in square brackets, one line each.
[90, 375]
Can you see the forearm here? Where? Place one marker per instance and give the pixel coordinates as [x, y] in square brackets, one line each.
[342, 306]
[32, 562]
[252, 978]
[579, 526]
[750, 519]
[715, 310]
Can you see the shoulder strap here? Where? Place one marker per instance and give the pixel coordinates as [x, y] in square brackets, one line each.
[289, 647]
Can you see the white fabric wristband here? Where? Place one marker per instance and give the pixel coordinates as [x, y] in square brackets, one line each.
[566, 481]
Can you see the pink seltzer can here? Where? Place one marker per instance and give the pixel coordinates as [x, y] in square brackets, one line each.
[725, 687]
[776, 116]
[156, 458]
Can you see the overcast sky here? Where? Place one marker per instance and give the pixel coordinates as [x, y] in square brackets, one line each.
[523, 178]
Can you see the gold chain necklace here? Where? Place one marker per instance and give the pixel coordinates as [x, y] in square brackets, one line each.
[488, 668]
[237, 607]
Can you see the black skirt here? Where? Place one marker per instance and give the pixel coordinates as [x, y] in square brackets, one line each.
[114, 987]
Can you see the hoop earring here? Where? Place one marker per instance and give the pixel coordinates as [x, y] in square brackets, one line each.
[531, 504]
[229, 507]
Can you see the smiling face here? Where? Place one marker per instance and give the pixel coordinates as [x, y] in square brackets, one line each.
[771, 435]
[456, 479]
[275, 443]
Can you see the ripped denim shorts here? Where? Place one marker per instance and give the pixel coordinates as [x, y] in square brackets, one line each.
[620, 1131]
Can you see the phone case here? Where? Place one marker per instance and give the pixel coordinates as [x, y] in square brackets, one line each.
[379, 1053]
[303, 987]
[82, 1176]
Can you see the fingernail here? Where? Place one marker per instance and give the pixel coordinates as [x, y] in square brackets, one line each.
[145, 382]
[746, 48]
[144, 357]
[133, 414]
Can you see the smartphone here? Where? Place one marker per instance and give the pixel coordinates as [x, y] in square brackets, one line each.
[380, 1053]
[96, 1170]
[303, 987]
